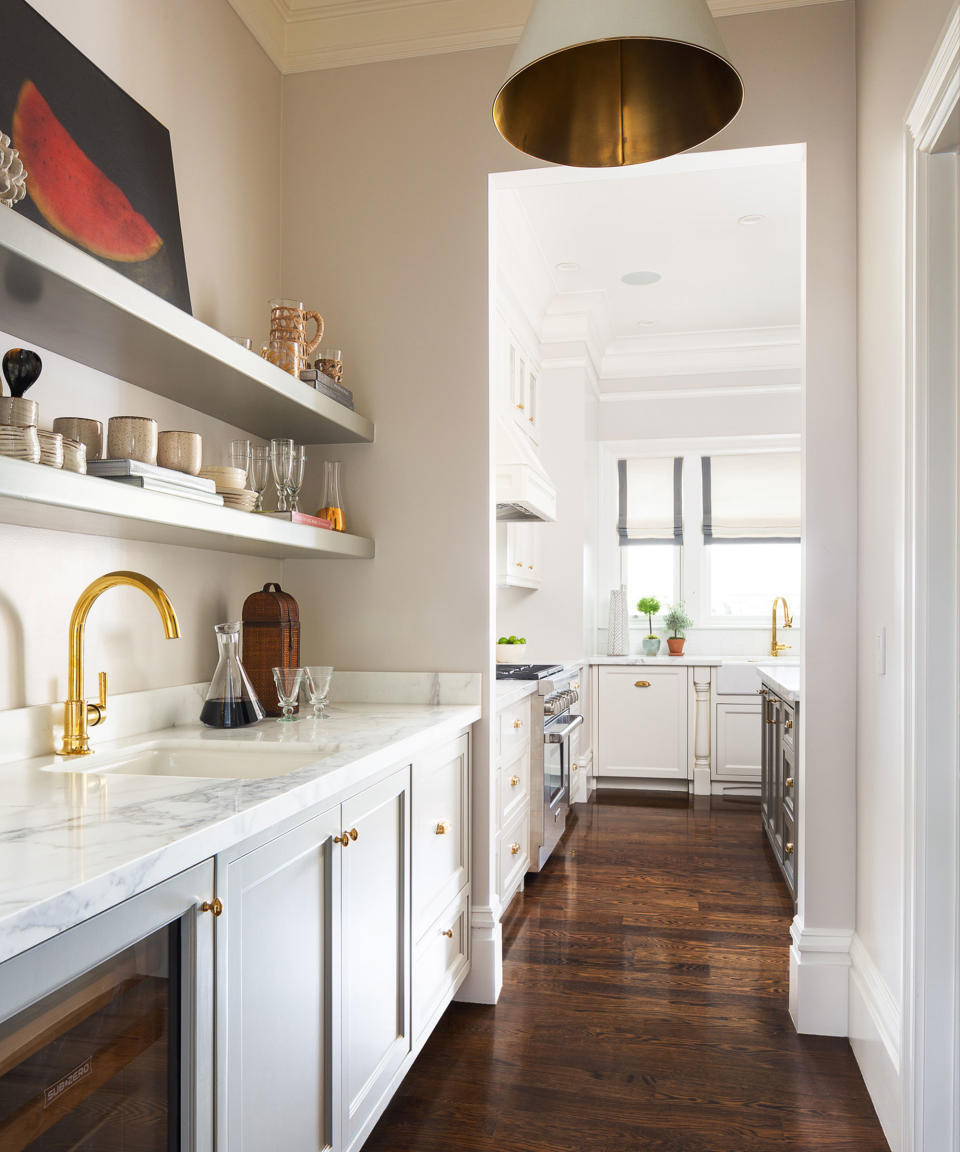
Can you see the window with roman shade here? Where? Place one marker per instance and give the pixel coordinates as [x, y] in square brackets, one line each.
[651, 501]
[752, 498]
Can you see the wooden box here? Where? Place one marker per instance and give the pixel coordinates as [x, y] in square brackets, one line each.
[271, 639]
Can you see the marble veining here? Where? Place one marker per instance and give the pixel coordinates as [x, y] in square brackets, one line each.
[74, 844]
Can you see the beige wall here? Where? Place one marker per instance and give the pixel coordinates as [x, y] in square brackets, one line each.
[195, 67]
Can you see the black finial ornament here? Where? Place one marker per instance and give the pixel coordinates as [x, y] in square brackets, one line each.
[21, 367]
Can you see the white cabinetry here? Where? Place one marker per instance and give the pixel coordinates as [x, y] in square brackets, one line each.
[518, 555]
[513, 789]
[341, 942]
[278, 993]
[522, 385]
[736, 750]
[642, 722]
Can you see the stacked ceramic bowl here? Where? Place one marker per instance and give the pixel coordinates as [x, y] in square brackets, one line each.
[51, 448]
[232, 486]
[20, 443]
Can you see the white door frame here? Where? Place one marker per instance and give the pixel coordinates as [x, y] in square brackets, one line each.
[930, 1042]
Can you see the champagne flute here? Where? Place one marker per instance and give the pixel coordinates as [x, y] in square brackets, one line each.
[281, 459]
[297, 469]
[240, 457]
[259, 474]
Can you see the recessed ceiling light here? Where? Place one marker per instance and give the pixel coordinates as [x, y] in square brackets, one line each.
[568, 266]
[645, 323]
[637, 278]
[746, 221]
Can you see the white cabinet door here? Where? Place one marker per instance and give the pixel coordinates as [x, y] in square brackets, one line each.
[278, 995]
[643, 722]
[440, 834]
[518, 556]
[376, 944]
[737, 741]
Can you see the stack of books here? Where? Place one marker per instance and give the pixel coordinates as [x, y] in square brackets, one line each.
[153, 478]
[328, 386]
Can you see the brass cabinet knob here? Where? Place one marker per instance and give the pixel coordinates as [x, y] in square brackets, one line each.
[788, 783]
[514, 781]
[530, 566]
[530, 418]
[519, 563]
[515, 849]
[354, 834]
[788, 725]
[520, 406]
[642, 684]
[448, 933]
[575, 766]
[442, 828]
[215, 906]
[788, 847]
[344, 839]
[518, 723]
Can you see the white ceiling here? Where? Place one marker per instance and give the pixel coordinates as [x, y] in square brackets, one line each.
[717, 275]
[303, 35]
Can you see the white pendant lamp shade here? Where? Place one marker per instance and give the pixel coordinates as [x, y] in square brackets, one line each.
[602, 83]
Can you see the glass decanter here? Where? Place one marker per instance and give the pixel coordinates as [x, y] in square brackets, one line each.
[331, 507]
[231, 700]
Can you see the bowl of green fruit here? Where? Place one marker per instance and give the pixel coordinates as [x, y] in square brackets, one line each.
[512, 650]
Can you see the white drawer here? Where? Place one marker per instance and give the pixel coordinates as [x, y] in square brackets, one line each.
[514, 788]
[514, 730]
[441, 958]
[439, 830]
[513, 857]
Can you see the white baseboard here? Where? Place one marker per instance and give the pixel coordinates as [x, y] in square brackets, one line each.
[819, 979]
[875, 1030]
[485, 981]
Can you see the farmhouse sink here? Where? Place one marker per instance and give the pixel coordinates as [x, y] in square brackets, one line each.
[205, 760]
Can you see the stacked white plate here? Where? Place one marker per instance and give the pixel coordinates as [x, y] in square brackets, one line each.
[19, 443]
[243, 499]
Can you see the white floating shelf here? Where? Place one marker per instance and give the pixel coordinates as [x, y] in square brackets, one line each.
[35, 496]
[60, 298]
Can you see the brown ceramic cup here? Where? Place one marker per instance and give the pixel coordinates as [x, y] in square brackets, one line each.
[132, 438]
[181, 451]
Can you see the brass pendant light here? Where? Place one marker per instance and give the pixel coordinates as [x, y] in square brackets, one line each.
[602, 83]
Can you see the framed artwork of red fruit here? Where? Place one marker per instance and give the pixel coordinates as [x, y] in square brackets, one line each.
[99, 166]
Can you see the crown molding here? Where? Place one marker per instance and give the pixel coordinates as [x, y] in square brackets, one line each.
[699, 353]
[322, 34]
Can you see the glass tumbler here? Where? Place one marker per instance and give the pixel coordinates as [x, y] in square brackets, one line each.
[259, 475]
[316, 680]
[288, 682]
[281, 460]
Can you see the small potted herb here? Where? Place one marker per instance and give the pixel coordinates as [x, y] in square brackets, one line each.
[678, 622]
[649, 606]
[512, 650]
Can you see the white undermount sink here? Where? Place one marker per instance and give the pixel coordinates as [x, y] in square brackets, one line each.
[204, 761]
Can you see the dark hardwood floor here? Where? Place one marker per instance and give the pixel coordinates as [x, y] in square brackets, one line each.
[644, 1007]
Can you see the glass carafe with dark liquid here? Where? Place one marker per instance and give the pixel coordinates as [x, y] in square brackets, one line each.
[231, 699]
[331, 507]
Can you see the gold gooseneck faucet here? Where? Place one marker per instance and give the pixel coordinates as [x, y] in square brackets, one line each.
[775, 648]
[78, 715]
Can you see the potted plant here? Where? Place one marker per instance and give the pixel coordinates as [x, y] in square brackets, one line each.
[512, 650]
[678, 622]
[649, 606]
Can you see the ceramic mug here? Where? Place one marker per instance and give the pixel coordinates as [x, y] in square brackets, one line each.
[181, 451]
[132, 438]
[88, 432]
[20, 411]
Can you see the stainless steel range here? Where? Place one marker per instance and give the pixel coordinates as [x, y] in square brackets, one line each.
[556, 711]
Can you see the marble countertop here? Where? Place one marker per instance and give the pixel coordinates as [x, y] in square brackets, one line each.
[784, 679]
[512, 691]
[73, 845]
[685, 661]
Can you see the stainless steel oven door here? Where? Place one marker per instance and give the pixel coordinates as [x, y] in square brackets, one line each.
[556, 779]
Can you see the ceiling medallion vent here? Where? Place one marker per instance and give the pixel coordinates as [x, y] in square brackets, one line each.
[606, 83]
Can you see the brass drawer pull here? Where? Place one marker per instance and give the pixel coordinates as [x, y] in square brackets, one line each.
[518, 723]
[774, 720]
[788, 782]
[788, 725]
[448, 933]
[642, 684]
[442, 828]
[788, 847]
[215, 906]
[514, 781]
[515, 849]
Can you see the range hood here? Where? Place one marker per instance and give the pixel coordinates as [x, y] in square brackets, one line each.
[524, 490]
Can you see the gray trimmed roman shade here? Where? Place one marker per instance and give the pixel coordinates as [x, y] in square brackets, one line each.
[651, 501]
[752, 498]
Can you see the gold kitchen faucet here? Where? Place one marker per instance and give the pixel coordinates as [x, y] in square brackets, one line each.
[775, 648]
[78, 715]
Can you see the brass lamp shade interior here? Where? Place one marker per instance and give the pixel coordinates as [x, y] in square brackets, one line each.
[619, 101]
